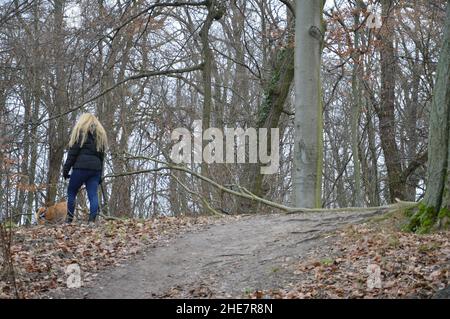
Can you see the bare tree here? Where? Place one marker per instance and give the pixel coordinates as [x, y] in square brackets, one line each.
[307, 174]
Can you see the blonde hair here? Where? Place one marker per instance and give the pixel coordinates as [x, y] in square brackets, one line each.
[89, 123]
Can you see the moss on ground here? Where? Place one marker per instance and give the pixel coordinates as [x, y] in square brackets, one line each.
[425, 219]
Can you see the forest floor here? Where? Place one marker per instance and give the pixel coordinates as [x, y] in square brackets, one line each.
[315, 255]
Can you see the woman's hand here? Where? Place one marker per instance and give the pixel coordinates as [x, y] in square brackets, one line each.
[66, 174]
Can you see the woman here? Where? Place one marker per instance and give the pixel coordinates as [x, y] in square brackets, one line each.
[87, 146]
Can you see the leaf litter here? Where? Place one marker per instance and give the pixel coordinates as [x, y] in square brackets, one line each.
[41, 254]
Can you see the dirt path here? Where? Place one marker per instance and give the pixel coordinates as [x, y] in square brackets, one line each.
[223, 260]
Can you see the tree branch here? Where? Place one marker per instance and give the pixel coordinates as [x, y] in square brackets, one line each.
[133, 77]
[202, 198]
[155, 5]
[415, 164]
[290, 6]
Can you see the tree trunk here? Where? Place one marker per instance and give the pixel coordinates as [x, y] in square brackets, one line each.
[276, 93]
[37, 57]
[308, 137]
[435, 208]
[355, 113]
[58, 134]
[25, 158]
[207, 90]
[436, 195]
[120, 199]
[386, 111]
[412, 141]
[215, 12]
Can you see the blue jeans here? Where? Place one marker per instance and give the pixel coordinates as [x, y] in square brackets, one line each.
[90, 178]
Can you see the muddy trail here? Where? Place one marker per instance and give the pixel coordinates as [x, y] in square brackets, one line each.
[222, 260]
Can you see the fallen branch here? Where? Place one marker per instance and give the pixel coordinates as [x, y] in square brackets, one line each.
[109, 217]
[202, 198]
[244, 193]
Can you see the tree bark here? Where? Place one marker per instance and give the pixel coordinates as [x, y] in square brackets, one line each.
[386, 111]
[58, 134]
[120, 199]
[412, 141]
[437, 191]
[308, 136]
[355, 114]
[215, 12]
[273, 104]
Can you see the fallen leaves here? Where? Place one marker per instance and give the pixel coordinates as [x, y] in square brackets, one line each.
[366, 262]
[361, 261]
[41, 254]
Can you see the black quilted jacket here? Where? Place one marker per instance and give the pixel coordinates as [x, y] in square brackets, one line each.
[85, 157]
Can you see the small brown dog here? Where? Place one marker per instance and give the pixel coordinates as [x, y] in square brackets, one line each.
[56, 213]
